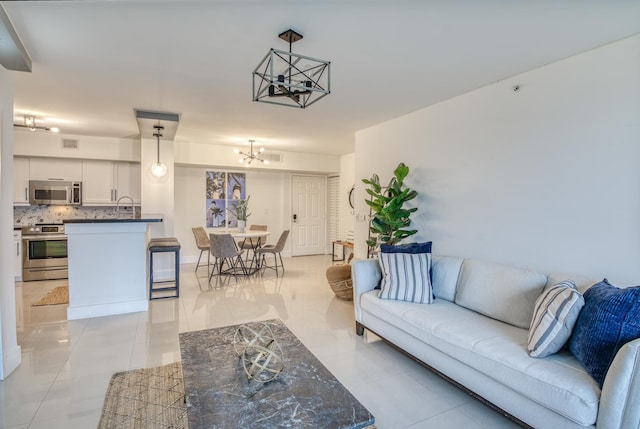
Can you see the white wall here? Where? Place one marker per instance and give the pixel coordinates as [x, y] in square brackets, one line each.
[28, 143]
[43, 144]
[270, 204]
[546, 177]
[9, 350]
[347, 180]
[197, 154]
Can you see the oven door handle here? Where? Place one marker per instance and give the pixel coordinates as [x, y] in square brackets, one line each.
[43, 237]
[44, 269]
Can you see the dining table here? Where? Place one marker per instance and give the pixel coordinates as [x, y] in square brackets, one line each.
[257, 239]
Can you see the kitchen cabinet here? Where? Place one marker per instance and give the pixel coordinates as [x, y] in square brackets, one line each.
[97, 183]
[20, 181]
[103, 182]
[55, 169]
[17, 247]
[127, 176]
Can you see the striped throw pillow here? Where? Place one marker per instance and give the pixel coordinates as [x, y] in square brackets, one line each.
[405, 277]
[555, 314]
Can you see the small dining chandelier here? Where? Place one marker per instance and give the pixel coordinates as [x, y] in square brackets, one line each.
[290, 79]
[158, 169]
[248, 157]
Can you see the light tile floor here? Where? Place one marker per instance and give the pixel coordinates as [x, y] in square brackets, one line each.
[66, 365]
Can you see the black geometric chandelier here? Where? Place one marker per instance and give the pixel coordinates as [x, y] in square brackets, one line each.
[291, 79]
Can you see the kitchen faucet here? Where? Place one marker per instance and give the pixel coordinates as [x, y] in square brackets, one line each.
[133, 209]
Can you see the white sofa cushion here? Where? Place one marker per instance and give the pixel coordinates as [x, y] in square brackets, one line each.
[445, 271]
[555, 315]
[582, 282]
[498, 291]
[497, 350]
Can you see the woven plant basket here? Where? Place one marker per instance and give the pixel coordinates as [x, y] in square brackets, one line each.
[339, 278]
[343, 289]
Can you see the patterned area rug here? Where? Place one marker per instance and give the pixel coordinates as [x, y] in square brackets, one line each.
[59, 295]
[145, 398]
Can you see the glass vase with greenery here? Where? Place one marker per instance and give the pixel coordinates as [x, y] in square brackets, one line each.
[389, 217]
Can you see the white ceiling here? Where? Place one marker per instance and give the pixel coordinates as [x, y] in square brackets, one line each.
[95, 61]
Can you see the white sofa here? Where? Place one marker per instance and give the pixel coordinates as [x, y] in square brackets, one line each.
[488, 356]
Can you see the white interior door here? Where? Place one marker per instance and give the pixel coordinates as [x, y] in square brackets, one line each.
[308, 225]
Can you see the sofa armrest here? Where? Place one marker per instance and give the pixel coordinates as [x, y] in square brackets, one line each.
[621, 390]
[366, 275]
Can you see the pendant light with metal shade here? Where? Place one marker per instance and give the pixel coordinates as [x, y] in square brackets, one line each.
[158, 169]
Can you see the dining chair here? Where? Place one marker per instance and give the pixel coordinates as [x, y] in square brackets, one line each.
[223, 248]
[275, 250]
[252, 243]
[202, 243]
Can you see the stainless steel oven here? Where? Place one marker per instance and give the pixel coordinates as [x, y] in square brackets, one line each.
[44, 252]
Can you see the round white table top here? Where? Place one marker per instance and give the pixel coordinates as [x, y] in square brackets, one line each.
[248, 233]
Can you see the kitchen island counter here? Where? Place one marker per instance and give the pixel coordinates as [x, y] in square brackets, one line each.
[144, 220]
[107, 266]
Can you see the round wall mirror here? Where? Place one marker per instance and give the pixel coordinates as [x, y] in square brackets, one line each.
[352, 196]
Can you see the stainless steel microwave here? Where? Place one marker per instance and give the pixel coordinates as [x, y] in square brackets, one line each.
[55, 192]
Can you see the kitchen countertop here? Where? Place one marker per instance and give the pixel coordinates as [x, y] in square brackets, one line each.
[147, 220]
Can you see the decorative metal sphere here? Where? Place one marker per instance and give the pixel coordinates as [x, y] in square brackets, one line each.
[262, 363]
[256, 333]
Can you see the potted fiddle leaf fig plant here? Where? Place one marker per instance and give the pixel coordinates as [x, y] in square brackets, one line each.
[389, 217]
[240, 209]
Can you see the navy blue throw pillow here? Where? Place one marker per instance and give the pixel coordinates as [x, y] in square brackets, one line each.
[406, 248]
[609, 319]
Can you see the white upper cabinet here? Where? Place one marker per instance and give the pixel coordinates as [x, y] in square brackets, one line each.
[20, 181]
[127, 176]
[55, 169]
[98, 183]
[103, 182]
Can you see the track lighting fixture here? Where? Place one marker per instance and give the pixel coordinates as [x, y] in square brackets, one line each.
[30, 123]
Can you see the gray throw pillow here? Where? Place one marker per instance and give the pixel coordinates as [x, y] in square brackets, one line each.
[555, 314]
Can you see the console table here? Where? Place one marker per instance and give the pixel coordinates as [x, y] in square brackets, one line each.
[344, 244]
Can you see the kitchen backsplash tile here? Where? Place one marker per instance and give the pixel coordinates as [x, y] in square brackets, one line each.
[24, 216]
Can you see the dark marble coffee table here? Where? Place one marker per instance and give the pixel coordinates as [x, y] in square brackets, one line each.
[304, 395]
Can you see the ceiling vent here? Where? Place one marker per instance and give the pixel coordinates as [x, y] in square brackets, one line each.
[70, 144]
[271, 157]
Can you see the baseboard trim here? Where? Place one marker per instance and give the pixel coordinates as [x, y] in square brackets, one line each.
[85, 311]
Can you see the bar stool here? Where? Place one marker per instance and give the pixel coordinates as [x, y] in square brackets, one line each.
[156, 245]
